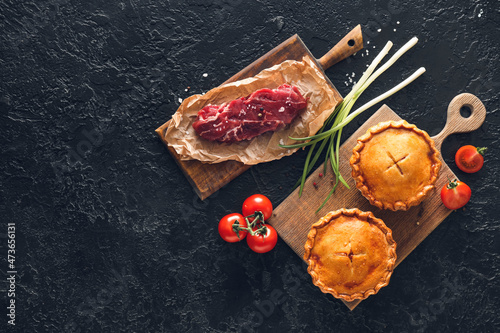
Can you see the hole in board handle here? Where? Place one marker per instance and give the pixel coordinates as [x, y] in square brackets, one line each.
[351, 42]
[465, 111]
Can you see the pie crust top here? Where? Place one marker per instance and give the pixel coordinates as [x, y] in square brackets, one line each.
[395, 165]
[351, 254]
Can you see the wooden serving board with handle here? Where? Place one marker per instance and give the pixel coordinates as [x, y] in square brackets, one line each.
[208, 178]
[295, 215]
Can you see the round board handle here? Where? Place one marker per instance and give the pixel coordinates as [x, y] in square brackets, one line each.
[456, 123]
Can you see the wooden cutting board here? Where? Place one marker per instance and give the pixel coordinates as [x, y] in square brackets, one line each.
[295, 215]
[206, 178]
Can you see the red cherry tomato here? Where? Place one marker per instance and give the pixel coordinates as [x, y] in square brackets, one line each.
[257, 203]
[226, 230]
[455, 194]
[262, 243]
[469, 158]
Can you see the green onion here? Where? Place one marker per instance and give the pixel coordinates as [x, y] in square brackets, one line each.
[329, 135]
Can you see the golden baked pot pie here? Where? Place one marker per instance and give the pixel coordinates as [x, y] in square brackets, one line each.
[395, 165]
[350, 253]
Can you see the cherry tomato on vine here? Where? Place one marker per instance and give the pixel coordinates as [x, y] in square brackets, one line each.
[470, 159]
[226, 230]
[256, 203]
[455, 194]
[262, 243]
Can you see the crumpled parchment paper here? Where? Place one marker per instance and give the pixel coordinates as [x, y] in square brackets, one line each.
[264, 148]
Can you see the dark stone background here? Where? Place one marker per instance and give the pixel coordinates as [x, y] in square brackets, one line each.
[110, 236]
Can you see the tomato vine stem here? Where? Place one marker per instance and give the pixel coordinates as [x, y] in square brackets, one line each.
[258, 219]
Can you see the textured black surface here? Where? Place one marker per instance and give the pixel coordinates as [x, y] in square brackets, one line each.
[110, 236]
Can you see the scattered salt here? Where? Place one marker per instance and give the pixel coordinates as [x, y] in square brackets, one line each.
[394, 30]
[205, 74]
[367, 42]
[397, 22]
[480, 13]
[180, 100]
[379, 30]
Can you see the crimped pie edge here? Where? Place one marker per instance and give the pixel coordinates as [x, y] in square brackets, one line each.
[358, 177]
[365, 216]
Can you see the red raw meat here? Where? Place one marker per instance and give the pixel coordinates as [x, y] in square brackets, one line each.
[246, 117]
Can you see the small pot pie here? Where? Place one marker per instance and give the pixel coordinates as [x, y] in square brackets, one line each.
[351, 254]
[395, 165]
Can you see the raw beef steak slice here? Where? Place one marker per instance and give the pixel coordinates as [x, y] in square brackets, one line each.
[246, 117]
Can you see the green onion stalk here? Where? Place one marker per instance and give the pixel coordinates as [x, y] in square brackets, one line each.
[330, 133]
